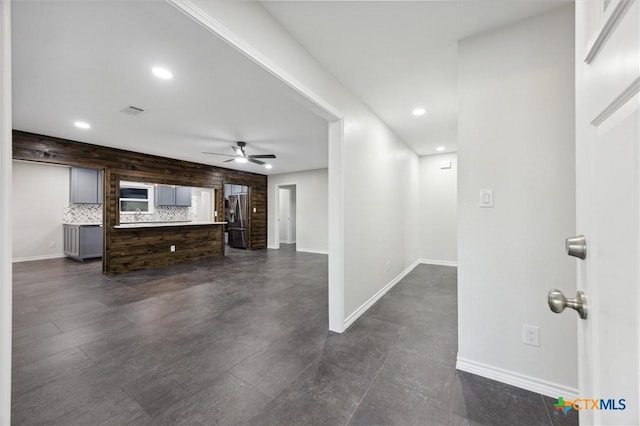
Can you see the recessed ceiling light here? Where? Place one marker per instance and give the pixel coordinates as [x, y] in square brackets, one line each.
[82, 125]
[440, 148]
[241, 160]
[162, 73]
[419, 111]
[268, 166]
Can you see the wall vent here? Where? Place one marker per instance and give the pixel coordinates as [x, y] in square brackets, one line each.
[131, 110]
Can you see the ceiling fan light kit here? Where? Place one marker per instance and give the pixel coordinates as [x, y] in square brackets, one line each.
[242, 157]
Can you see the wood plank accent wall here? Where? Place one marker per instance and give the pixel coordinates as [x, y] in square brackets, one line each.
[120, 165]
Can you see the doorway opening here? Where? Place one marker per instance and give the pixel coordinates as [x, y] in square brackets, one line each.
[287, 216]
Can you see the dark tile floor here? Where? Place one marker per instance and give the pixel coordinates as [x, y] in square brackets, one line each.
[243, 340]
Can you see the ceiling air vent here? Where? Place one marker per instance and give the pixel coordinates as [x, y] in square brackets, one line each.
[131, 110]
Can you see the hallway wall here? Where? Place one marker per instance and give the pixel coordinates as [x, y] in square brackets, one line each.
[437, 223]
[40, 194]
[516, 136]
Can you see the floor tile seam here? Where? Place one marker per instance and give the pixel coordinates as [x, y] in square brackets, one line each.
[14, 365]
[183, 396]
[546, 410]
[372, 381]
[68, 316]
[255, 388]
[55, 379]
[14, 346]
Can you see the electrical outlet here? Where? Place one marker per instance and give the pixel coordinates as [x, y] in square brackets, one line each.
[52, 244]
[531, 335]
[172, 248]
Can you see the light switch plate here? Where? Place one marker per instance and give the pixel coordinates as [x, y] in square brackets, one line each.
[486, 198]
[445, 164]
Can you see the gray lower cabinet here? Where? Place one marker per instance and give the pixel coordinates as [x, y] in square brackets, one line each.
[83, 241]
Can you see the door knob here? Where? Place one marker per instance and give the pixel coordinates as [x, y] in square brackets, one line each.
[557, 302]
[576, 246]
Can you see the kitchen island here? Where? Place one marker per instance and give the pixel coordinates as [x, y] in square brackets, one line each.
[141, 245]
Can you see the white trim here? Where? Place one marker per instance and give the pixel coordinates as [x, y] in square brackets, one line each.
[316, 251]
[624, 97]
[41, 257]
[438, 262]
[336, 228]
[553, 390]
[6, 219]
[366, 305]
[611, 18]
[273, 247]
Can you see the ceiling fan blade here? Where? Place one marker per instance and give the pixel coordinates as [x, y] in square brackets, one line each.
[230, 159]
[215, 153]
[263, 156]
[255, 161]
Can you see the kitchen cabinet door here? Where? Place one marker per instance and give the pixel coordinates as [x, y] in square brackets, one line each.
[165, 195]
[183, 196]
[85, 186]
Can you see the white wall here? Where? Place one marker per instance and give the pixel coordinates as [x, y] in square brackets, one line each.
[312, 209]
[516, 136]
[40, 193]
[437, 223]
[368, 166]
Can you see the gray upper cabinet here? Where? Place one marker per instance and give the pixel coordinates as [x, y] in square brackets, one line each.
[173, 196]
[183, 196]
[85, 186]
[165, 195]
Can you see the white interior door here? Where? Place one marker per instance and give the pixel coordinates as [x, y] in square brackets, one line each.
[284, 216]
[608, 193]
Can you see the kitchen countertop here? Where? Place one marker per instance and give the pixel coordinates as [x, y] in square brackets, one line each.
[83, 223]
[160, 224]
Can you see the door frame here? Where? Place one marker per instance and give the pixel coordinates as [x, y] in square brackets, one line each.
[277, 215]
[6, 170]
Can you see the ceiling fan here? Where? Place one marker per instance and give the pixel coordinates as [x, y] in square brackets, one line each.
[241, 156]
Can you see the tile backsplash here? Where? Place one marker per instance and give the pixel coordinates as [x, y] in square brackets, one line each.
[160, 214]
[83, 213]
[92, 213]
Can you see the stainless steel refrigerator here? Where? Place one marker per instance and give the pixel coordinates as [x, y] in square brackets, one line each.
[237, 217]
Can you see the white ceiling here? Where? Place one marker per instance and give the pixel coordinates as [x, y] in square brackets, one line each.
[397, 55]
[87, 61]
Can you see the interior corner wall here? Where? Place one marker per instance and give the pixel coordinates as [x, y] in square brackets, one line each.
[40, 194]
[372, 160]
[312, 217]
[516, 136]
[437, 223]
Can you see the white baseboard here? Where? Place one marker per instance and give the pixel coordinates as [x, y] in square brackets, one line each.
[438, 262]
[366, 305]
[42, 257]
[312, 250]
[522, 381]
